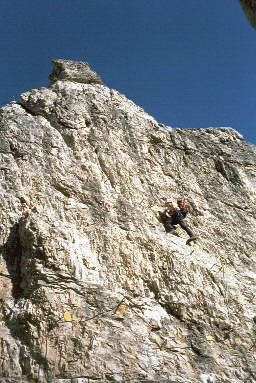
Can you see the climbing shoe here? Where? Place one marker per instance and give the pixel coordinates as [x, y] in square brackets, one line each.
[191, 239]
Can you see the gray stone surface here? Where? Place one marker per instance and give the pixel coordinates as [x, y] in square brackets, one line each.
[91, 286]
[76, 71]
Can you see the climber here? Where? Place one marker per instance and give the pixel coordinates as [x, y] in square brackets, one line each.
[172, 216]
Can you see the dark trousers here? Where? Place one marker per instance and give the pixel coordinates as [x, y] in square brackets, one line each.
[169, 226]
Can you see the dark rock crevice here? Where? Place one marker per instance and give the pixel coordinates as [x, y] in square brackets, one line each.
[12, 254]
[27, 109]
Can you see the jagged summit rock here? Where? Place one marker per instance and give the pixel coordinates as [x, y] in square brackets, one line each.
[92, 288]
[76, 71]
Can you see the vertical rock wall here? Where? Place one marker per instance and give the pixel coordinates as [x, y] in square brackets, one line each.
[92, 288]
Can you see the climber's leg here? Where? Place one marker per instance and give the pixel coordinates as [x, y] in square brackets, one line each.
[169, 227]
[185, 227]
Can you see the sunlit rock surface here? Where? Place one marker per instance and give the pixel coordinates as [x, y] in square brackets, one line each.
[92, 288]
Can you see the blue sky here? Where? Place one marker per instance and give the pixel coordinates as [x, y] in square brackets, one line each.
[190, 64]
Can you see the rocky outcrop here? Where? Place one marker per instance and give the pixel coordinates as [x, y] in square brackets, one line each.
[249, 8]
[76, 71]
[92, 287]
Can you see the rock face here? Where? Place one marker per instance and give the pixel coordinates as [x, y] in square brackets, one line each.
[92, 287]
[249, 8]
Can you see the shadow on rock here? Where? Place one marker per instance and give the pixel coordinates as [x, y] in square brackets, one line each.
[12, 253]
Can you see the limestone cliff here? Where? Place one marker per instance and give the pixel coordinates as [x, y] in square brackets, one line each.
[92, 287]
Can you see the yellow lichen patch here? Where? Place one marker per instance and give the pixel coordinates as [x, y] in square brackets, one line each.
[68, 317]
[240, 298]
[41, 118]
[238, 341]
[210, 338]
[143, 330]
[121, 310]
